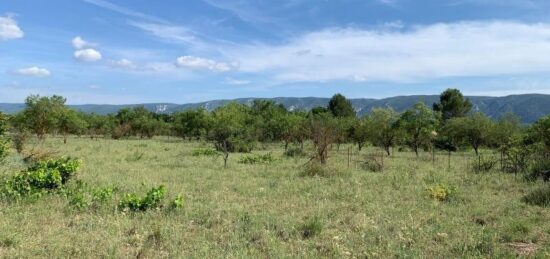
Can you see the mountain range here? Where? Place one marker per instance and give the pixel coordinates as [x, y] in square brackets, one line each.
[529, 107]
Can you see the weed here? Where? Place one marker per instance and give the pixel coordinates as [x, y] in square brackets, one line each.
[441, 192]
[151, 200]
[257, 159]
[311, 228]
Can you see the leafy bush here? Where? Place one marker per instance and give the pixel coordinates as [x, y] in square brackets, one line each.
[151, 200]
[540, 169]
[43, 176]
[177, 203]
[440, 192]
[295, 152]
[205, 152]
[257, 159]
[538, 197]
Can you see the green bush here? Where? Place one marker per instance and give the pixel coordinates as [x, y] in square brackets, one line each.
[42, 176]
[152, 200]
[295, 152]
[177, 203]
[539, 197]
[205, 152]
[257, 159]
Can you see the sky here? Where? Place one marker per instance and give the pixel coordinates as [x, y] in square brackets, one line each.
[176, 51]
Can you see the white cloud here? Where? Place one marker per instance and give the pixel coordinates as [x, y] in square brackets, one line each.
[203, 63]
[124, 63]
[79, 43]
[407, 55]
[172, 33]
[232, 81]
[33, 71]
[88, 55]
[9, 29]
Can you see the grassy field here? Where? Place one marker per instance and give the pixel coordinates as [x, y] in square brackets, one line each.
[270, 211]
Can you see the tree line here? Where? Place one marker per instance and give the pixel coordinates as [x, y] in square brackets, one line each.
[450, 125]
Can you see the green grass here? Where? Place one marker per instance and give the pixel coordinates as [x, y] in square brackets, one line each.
[270, 210]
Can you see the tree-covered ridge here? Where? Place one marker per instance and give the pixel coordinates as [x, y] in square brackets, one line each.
[529, 107]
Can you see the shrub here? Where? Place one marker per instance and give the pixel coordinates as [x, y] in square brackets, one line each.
[315, 168]
[205, 152]
[373, 164]
[4, 150]
[540, 169]
[538, 197]
[440, 192]
[257, 159]
[20, 140]
[151, 200]
[295, 152]
[177, 203]
[43, 176]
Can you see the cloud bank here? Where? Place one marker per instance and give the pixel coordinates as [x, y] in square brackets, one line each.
[405, 55]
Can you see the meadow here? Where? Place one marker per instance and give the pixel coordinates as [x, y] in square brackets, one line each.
[270, 210]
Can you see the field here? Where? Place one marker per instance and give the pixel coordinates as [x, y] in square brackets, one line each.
[271, 211]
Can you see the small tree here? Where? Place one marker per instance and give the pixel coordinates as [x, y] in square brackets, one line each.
[476, 130]
[41, 113]
[383, 129]
[359, 132]
[323, 131]
[231, 129]
[68, 121]
[418, 123]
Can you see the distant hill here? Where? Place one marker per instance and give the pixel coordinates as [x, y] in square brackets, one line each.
[529, 107]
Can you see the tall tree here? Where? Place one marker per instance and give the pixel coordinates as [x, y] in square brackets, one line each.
[340, 106]
[452, 104]
[418, 123]
[41, 113]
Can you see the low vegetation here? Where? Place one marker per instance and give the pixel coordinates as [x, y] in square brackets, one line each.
[449, 183]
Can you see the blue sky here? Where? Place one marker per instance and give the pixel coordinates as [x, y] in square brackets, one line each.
[106, 51]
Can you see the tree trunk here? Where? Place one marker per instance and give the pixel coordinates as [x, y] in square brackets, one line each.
[225, 154]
